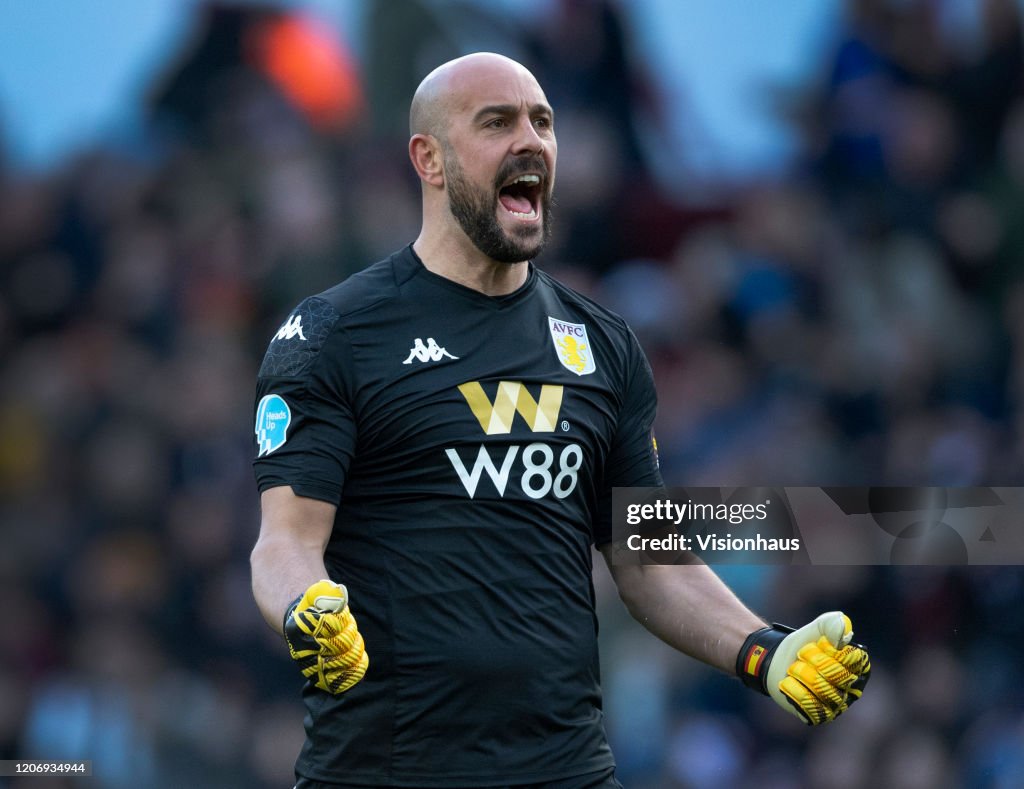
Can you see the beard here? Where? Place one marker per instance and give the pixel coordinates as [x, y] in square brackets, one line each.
[476, 211]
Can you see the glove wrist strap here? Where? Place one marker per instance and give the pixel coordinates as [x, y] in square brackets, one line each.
[756, 654]
[288, 612]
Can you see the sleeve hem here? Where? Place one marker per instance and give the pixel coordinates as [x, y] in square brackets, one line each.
[310, 490]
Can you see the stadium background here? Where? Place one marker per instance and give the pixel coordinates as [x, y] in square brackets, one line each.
[812, 216]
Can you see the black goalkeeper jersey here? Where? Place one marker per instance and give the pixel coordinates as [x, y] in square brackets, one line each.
[471, 444]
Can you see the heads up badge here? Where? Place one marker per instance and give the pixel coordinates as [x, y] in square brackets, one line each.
[272, 420]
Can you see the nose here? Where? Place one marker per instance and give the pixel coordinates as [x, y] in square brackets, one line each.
[527, 140]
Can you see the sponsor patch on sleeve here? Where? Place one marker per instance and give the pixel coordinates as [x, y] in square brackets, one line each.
[299, 339]
[273, 418]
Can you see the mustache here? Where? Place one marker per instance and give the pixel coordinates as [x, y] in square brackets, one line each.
[518, 166]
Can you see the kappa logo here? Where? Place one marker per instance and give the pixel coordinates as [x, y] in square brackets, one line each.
[512, 397]
[291, 328]
[431, 352]
[572, 346]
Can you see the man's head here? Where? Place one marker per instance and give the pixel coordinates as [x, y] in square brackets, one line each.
[483, 144]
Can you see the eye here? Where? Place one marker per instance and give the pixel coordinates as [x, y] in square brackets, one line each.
[496, 123]
[542, 123]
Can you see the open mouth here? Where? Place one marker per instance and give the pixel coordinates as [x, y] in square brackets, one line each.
[521, 196]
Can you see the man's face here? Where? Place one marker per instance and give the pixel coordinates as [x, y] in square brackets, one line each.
[499, 165]
[478, 210]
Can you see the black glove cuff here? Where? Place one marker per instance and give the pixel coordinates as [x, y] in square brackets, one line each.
[288, 613]
[756, 654]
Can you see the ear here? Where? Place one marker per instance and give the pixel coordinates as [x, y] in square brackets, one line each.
[425, 153]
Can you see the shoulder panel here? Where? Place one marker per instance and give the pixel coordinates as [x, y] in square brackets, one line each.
[300, 338]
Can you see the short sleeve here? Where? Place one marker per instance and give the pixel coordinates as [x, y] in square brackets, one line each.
[633, 456]
[305, 432]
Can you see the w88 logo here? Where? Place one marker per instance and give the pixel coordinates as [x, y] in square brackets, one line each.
[539, 471]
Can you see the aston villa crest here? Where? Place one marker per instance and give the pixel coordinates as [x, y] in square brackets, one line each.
[572, 346]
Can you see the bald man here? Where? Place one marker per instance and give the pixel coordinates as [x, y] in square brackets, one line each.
[437, 438]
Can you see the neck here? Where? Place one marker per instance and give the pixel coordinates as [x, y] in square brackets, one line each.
[465, 264]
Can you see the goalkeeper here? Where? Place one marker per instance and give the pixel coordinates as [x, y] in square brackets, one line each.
[436, 441]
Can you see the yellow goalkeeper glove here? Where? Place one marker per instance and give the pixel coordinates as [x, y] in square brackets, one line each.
[815, 672]
[323, 638]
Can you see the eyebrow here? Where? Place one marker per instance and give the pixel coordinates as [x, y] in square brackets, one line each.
[512, 109]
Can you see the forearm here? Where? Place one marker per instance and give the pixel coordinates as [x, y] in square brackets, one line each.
[689, 608]
[289, 554]
[281, 570]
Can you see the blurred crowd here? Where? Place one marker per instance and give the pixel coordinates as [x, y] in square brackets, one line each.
[859, 321]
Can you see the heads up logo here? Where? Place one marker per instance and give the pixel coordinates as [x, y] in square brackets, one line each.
[272, 420]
